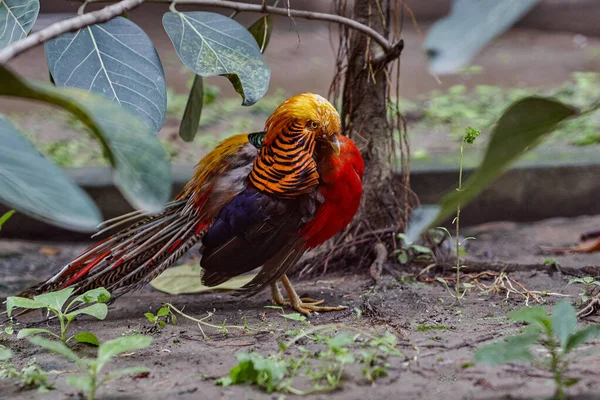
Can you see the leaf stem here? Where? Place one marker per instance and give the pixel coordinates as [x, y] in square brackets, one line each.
[457, 223]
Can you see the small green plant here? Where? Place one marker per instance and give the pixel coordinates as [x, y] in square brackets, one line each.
[31, 376]
[163, 316]
[413, 252]
[431, 327]
[469, 138]
[557, 334]
[54, 302]
[223, 328]
[323, 368]
[5, 217]
[92, 379]
[588, 282]
[551, 261]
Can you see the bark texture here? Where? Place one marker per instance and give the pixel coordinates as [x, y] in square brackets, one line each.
[364, 116]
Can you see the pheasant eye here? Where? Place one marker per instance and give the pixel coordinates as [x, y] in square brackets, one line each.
[314, 125]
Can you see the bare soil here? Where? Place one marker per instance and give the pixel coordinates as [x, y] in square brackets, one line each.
[183, 364]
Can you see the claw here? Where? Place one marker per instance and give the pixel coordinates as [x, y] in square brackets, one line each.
[303, 305]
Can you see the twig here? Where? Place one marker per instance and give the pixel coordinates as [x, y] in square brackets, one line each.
[590, 308]
[381, 255]
[481, 266]
[69, 25]
[394, 48]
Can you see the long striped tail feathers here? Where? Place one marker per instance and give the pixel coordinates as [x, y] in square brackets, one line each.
[133, 256]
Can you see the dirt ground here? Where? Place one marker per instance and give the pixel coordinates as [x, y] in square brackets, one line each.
[183, 364]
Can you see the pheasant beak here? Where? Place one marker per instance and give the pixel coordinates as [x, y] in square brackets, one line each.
[334, 142]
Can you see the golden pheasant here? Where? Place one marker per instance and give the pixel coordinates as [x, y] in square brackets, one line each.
[258, 199]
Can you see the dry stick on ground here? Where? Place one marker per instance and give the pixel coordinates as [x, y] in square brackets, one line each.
[502, 283]
[592, 306]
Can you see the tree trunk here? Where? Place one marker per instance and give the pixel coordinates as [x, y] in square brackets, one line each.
[364, 117]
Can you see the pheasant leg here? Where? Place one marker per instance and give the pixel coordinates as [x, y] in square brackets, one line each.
[302, 305]
[278, 299]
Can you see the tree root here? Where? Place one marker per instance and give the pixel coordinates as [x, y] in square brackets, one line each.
[592, 307]
[381, 255]
[502, 283]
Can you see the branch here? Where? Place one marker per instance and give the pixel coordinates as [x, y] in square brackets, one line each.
[233, 5]
[69, 25]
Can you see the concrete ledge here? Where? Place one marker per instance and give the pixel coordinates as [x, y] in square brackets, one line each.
[525, 193]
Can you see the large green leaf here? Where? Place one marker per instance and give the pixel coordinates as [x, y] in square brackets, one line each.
[518, 130]
[514, 348]
[582, 336]
[193, 110]
[57, 347]
[185, 279]
[564, 321]
[55, 300]
[261, 31]
[111, 348]
[452, 42]
[33, 185]
[142, 169]
[116, 59]
[212, 44]
[16, 19]
[98, 310]
[21, 302]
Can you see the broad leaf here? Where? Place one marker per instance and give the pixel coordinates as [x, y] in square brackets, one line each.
[452, 42]
[100, 295]
[80, 382]
[116, 59]
[519, 129]
[57, 347]
[294, 317]
[86, 337]
[185, 279]
[23, 333]
[36, 187]
[582, 336]
[193, 110]
[536, 316]
[261, 31]
[98, 310]
[16, 19]
[6, 216]
[5, 354]
[163, 312]
[55, 300]
[21, 302]
[125, 371]
[142, 170]
[111, 348]
[212, 44]
[564, 321]
[515, 348]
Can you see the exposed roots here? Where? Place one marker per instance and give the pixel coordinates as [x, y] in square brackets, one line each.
[591, 307]
[381, 255]
[367, 92]
[501, 284]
